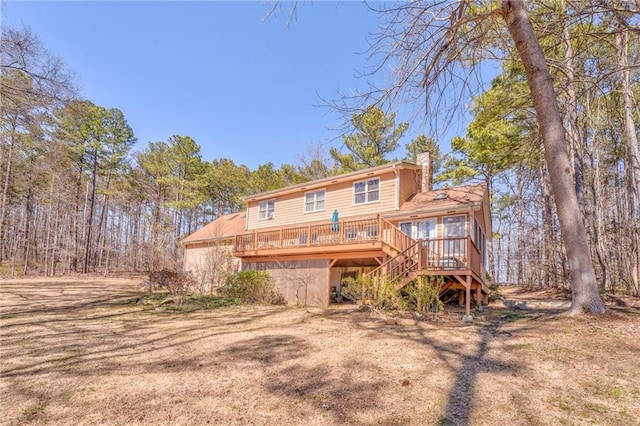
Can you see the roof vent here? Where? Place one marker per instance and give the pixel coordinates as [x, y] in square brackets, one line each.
[441, 196]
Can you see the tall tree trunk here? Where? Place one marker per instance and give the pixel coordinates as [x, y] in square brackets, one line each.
[573, 132]
[75, 229]
[27, 229]
[520, 257]
[548, 233]
[5, 192]
[633, 159]
[585, 294]
[102, 224]
[92, 203]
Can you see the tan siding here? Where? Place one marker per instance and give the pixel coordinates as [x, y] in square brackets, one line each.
[197, 257]
[479, 215]
[194, 257]
[408, 185]
[300, 282]
[289, 208]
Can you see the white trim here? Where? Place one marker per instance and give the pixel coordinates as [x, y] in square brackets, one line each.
[315, 200]
[366, 192]
[268, 216]
[397, 194]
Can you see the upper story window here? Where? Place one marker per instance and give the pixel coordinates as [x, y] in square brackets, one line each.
[366, 191]
[267, 209]
[314, 201]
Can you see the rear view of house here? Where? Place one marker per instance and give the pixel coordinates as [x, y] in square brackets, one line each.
[383, 222]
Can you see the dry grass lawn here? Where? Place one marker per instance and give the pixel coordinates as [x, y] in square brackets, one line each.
[81, 351]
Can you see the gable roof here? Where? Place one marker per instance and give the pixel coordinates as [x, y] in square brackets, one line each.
[224, 227]
[347, 177]
[443, 199]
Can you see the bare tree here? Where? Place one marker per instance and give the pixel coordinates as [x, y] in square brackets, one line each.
[584, 286]
[435, 49]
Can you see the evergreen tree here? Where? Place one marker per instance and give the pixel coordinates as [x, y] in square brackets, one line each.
[376, 136]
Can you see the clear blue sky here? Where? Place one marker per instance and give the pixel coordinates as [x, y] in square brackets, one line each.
[241, 87]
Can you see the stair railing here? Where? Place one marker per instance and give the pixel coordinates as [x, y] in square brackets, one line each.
[399, 266]
[393, 236]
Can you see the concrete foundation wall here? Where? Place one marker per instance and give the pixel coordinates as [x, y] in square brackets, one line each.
[300, 282]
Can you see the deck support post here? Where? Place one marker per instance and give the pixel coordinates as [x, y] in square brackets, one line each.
[468, 296]
[479, 295]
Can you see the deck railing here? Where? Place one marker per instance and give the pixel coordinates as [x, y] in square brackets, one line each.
[436, 254]
[439, 254]
[442, 253]
[445, 253]
[329, 233]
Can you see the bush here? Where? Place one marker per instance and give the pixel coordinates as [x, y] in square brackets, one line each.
[423, 295]
[494, 293]
[379, 295]
[211, 273]
[177, 283]
[251, 287]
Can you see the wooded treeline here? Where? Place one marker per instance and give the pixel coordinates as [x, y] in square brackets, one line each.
[593, 53]
[75, 198]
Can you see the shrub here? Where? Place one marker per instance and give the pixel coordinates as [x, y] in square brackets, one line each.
[177, 283]
[212, 272]
[494, 293]
[423, 295]
[251, 287]
[378, 295]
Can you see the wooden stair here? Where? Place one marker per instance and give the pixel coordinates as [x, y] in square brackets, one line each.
[403, 266]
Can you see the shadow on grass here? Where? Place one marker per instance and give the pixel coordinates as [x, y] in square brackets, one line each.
[78, 344]
[465, 363]
[325, 391]
[70, 334]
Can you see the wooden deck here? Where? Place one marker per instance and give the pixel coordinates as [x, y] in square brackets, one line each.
[398, 257]
[439, 256]
[329, 237]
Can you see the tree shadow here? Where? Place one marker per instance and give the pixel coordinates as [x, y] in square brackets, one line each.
[350, 391]
[325, 391]
[68, 345]
[466, 364]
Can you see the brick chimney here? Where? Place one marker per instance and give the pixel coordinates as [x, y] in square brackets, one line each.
[424, 159]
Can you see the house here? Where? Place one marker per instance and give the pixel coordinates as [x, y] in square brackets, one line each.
[208, 252]
[384, 222]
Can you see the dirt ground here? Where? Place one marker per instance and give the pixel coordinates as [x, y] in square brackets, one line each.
[80, 351]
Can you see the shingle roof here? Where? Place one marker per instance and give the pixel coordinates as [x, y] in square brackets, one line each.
[436, 199]
[223, 227]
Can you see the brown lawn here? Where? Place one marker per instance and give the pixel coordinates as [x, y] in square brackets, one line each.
[79, 351]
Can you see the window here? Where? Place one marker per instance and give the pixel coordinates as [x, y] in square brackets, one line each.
[267, 209]
[420, 229]
[480, 240]
[406, 227]
[454, 231]
[314, 201]
[426, 229]
[366, 191]
[454, 226]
